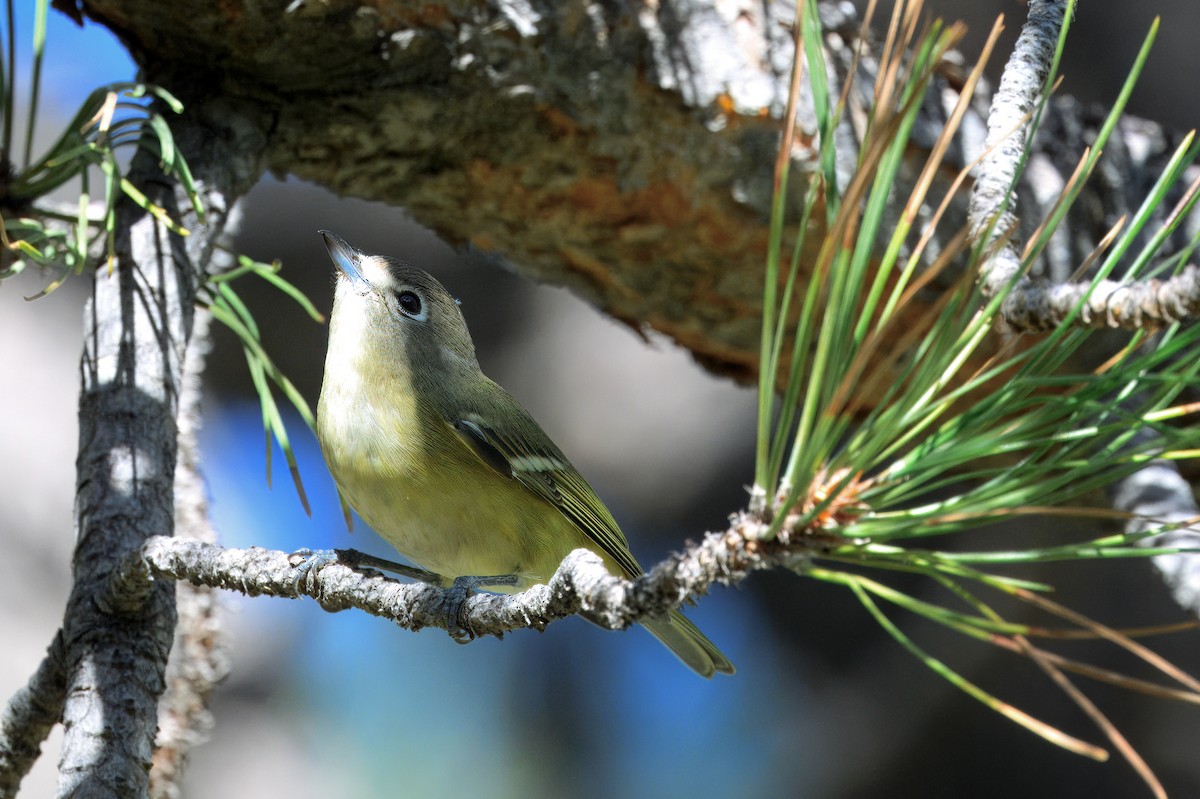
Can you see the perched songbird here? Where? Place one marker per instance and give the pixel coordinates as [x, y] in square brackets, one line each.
[444, 463]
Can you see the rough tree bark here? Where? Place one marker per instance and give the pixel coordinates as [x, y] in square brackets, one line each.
[621, 149]
[139, 324]
[137, 336]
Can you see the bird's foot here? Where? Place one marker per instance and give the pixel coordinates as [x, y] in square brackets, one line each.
[308, 562]
[456, 598]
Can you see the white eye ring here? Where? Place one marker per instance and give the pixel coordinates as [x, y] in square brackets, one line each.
[410, 305]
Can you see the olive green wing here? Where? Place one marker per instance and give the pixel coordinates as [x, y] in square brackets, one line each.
[522, 451]
[531, 458]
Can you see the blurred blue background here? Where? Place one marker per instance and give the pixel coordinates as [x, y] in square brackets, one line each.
[824, 704]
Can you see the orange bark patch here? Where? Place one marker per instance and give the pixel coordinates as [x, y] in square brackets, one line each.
[559, 122]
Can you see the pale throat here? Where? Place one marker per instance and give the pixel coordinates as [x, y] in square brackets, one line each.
[367, 403]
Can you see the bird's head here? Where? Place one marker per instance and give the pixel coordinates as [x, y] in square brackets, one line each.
[387, 309]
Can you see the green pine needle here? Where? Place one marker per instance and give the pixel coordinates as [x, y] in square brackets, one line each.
[114, 117]
[880, 429]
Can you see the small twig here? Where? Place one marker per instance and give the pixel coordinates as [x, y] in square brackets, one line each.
[1131, 306]
[29, 717]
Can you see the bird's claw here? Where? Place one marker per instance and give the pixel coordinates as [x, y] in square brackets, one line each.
[456, 598]
[308, 562]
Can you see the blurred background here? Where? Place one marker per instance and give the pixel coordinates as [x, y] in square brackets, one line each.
[824, 703]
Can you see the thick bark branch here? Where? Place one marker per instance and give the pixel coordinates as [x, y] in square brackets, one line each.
[138, 324]
[622, 150]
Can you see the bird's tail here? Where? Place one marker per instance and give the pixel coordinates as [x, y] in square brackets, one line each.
[689, 644]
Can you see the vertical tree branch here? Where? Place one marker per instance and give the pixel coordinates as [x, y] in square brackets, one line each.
[137, 330]
[137, 326]
[991, 214]
[198, 658]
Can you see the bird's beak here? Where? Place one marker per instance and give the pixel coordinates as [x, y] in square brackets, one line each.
[345, 257]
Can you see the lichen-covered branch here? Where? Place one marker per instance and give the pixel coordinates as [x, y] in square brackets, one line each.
[1133, 305]
[1043, 305]
[28, 717]
[993, 214]
[582, 585]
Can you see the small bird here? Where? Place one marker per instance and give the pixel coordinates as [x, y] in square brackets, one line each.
[442, 462]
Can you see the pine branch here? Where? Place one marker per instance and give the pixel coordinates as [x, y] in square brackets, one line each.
[582, 585]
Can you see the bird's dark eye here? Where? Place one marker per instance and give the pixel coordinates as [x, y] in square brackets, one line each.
[410, 303]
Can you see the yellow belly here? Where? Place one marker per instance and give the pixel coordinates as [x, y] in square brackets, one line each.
[433, 499]
[459, 518]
